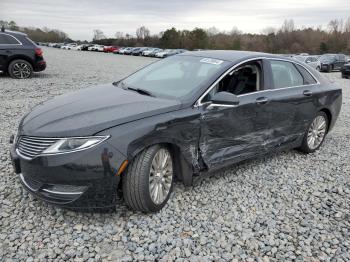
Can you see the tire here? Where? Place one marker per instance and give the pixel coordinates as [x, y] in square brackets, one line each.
[307, 146]
[137, 179]
[329, 69]
[20, 69]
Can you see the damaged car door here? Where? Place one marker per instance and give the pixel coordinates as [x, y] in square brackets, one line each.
[237, 127]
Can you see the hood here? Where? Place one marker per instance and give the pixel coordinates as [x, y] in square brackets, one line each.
[88, 111]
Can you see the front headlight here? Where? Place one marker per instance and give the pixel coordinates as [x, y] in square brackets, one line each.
[73, 144]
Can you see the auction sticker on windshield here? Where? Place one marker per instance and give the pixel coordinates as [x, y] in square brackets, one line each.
[211, 61]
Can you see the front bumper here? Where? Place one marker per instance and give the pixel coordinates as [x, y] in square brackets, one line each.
[85, 179]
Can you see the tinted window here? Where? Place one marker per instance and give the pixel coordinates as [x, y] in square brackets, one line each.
[285, 74]
[308, 78]
[8, 40]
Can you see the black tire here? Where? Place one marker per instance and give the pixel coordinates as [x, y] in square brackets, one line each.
[329, 69]
[20, 69]
[135, 181]
[305, 146]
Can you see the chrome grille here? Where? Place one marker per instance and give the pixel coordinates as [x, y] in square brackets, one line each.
[31, 146]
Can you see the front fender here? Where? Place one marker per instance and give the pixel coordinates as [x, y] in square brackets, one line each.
[180, 128]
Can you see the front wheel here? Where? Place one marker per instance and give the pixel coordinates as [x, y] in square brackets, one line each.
[315, 134]
[148, 181]
[20, 69]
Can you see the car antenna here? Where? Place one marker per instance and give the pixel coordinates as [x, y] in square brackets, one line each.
[3, 28]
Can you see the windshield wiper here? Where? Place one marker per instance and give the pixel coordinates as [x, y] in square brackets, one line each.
[138, 90]
[141, 91]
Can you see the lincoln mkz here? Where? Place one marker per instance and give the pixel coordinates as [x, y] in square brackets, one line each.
[176, 119]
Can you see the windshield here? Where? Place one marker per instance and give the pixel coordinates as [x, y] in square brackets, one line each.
[327, 58]
[175, 76]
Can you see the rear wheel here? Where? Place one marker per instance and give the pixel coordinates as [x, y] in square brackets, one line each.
[20, 69]
[148, 181]
[315, 134]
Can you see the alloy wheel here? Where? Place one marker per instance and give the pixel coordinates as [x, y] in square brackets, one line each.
[21, 70]
[161, 176]
[316, 132]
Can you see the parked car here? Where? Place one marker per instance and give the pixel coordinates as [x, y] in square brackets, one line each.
[330, 62]
[58, 45]
[163, 53]
[153, 53]
[312, 61]
[175, 52]
[182, 116]
[138, 51]
[149, 51]
[69, 46]
[110, 49]
[95, 47]
[129, 50]
[345, 71]
[19, 55]
[84, 47]
[122, 50]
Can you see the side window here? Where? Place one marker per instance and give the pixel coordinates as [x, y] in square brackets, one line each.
[8, 40]
[243, 80]
[285, 74]
[308, 78]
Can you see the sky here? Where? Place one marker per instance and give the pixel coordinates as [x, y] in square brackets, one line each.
[80, 18]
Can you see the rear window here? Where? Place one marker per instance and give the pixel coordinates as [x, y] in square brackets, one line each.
[6, 39]
[308, 78]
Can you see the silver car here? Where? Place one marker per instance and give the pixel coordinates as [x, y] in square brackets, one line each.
[312, 61]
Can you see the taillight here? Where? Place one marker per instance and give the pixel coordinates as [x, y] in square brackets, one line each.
[38, 51]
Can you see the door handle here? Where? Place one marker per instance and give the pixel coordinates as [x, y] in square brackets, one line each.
[307, 93]
[261, 100]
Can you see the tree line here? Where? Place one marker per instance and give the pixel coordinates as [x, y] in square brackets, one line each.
[36, 34]
[335, 38]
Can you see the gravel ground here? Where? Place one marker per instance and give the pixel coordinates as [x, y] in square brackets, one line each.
[283, 207]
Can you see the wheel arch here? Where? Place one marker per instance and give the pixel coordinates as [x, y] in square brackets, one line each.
[19, 57]
[183, 166]
[329, 116]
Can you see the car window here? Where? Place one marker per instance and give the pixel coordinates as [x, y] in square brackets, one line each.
[285, 74]
[8, 40]
[176, 76]
[308, 78]
[243, 80]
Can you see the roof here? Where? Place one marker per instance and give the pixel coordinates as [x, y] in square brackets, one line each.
[230, 55]
[13, 33]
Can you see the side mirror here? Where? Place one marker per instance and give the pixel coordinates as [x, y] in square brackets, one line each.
[225, 98]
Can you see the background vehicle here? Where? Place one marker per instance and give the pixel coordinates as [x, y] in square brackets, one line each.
[162, 53]
[175, 52]
[138, 51]
[96, 48]
[19, 56]
[69, 46]
[149, 51]
[129, 50]
[345, 71]
[330, 62]
[312, 61]
[110, 49]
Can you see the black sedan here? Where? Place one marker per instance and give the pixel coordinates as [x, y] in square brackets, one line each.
[178, 118]
[345, 71]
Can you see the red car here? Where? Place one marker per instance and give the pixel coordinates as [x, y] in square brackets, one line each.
[110, 49]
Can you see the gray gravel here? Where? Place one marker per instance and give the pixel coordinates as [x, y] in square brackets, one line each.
[288, 206]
